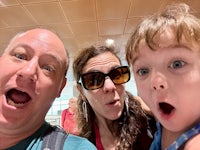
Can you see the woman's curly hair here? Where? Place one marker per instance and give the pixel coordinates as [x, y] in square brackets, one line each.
[132, 125]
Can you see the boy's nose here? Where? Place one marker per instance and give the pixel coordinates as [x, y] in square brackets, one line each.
[159, 87]
[159, 82]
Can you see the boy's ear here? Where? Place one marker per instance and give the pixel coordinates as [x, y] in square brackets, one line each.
[64, 82]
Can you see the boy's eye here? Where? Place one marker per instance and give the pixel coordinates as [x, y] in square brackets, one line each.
[177, 64]
[142, 72]
[21, 56]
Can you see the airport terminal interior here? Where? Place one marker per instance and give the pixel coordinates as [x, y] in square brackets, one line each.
[79, 23]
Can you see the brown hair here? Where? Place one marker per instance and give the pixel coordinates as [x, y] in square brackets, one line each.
[87, 53]
[175, 17]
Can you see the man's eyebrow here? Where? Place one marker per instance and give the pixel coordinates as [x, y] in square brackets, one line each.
[51, 54]
[54, 57]
[25, 46]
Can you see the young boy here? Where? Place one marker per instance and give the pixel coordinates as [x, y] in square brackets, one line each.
[164, 52]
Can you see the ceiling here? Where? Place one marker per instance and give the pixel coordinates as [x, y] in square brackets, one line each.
[79, 23]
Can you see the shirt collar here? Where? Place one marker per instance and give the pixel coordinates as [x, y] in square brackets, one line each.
[184, 137]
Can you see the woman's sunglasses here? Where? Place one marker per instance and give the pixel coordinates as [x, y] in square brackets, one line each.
[95, 80]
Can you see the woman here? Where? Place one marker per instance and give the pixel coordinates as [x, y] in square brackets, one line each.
[68, 122]
[107, 115]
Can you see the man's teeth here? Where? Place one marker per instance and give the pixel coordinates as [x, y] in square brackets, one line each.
[12, 103]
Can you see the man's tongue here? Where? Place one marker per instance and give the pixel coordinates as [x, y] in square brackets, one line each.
[18, 96]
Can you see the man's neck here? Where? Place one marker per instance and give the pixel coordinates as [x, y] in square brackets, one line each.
[8, 141]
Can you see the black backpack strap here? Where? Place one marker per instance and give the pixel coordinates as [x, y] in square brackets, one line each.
[54, 139]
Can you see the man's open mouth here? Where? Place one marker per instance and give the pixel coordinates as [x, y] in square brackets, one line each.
[17, 98]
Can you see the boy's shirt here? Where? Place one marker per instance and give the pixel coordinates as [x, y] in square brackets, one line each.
[156, 144]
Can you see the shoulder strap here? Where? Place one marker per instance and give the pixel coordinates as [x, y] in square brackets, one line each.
[54, 138]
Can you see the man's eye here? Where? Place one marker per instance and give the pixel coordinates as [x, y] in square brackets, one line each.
[177, 64]
[48, 68]
[142, 72]
[21, 56]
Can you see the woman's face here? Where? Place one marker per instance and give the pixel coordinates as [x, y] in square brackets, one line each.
[107, 101]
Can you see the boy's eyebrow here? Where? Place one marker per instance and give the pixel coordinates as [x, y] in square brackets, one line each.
[181, 46]
[134, 58]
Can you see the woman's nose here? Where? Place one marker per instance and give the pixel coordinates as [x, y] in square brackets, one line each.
[108, 84]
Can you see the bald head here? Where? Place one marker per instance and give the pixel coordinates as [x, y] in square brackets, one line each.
[42, 38]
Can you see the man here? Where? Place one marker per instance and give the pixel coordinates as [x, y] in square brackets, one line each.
[32, 75]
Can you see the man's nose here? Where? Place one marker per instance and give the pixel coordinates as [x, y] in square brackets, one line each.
[29, 70]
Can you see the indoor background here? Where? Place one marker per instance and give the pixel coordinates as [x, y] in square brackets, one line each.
[79, 23]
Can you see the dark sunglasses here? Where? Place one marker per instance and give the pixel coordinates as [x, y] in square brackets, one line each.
[95, 80]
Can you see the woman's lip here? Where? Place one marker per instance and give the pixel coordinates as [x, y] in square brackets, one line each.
[112, 102]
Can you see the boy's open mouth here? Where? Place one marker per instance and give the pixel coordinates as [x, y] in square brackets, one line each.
[166, 108]
[17, 98]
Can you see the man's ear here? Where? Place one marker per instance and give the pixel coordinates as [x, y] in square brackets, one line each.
[64, 82]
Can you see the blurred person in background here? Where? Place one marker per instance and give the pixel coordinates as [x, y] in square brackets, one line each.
[68, 121]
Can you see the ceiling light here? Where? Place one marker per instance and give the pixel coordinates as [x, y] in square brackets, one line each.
[109, 42]
[2, 4]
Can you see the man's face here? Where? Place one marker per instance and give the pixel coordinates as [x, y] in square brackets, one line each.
[31, 77]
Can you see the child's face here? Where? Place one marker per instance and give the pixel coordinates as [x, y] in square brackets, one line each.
[168, 80]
